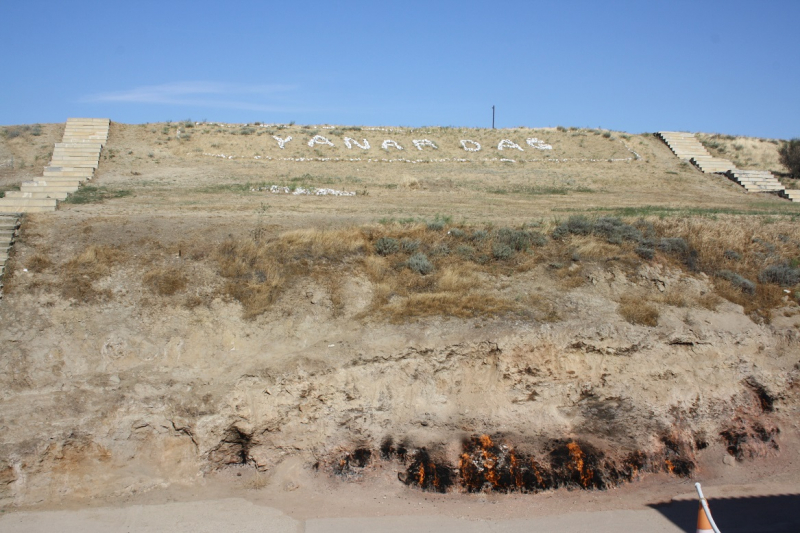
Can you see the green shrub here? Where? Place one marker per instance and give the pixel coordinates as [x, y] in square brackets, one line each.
[732, 255]
[440, 249]
[782, 275]
[575, 225]
[789, 153]
[386, 246]
[409, 245]
[479, 235]
[465, 250]
[457, 233]
[644, 252]
[436, 225]
[420, 264]
[615, 230]
[674, 245]
[737, 280]
[502, 251]
[519, 240]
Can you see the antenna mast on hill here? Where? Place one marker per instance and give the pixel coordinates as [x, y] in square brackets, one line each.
[492, 117]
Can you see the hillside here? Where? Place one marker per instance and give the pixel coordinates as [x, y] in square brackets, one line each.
[583, 311]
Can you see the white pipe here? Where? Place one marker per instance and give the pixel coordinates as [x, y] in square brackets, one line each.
[706, 510]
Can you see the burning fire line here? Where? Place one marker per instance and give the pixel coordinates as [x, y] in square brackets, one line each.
[486, 465]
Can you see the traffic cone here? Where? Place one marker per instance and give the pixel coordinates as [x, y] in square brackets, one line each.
[703, 525]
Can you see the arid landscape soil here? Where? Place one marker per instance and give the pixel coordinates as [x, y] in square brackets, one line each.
[595, 324]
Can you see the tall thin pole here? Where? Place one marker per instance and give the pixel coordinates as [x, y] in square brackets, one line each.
[492, 117]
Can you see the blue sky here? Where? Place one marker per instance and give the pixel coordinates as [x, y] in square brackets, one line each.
[726, 66]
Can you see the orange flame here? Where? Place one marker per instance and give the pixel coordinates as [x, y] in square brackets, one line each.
[577, 456]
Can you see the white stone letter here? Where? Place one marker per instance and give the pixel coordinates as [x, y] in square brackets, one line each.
[388, 142]
[282, 142]
[476, 146]
[538, 144]
[349, 142]
[319, 139]
[419, 143]
[505, 143]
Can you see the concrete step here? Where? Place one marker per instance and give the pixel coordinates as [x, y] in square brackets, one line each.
[83, 147]
[75, 153]
[48, 188]
[763, 186]
[57, 182]
[53, 168]
[25, 202]
[86, 163]
[29, 209]
[68, 175]
[76, 145]
[89, 119]
[92, 164]
[38, 194]
[61, 179]
[792, 195]
[56, 178]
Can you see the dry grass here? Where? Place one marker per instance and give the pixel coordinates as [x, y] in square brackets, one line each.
[756, 243]
[77, 275]
[38, 263]
[744, 152]
[710, 301]
[165, 281]
[638, 311]
[466, 266]
[258, 271]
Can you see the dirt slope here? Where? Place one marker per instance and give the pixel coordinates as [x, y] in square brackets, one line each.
[130, 361]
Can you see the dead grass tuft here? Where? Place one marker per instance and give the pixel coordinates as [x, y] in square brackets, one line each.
[77, 275]
[638, 311]
[93, 263]
[710, 301]
[193, 301]
[38, 263]
[165, 281]
[447, 304]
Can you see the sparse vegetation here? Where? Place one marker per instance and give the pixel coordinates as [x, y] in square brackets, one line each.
[638, 311]
[783, 275]
[165, 281]
[420, 264]
[387, 246]
[77, 275]
[789, 154]
[92, 194]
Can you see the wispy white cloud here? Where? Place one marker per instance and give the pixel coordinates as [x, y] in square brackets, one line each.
[201, 94]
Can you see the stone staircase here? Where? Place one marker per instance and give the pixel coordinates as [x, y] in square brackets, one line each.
[756, 180]
[687, 147]
[8, 232]
[74, 161]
